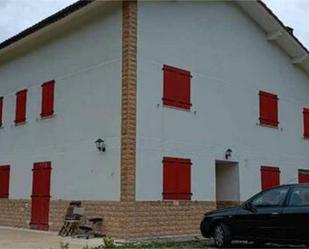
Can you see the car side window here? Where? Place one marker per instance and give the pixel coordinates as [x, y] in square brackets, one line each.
[271, 198]
[299, 197]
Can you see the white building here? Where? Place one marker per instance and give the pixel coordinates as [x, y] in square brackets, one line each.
[200, 104]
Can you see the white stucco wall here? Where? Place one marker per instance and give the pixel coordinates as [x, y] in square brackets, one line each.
[84, 59]
[230, 61]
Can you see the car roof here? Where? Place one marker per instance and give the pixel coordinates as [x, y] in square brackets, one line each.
[292, 185]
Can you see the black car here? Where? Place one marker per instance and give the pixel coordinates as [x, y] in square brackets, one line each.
[279, 215]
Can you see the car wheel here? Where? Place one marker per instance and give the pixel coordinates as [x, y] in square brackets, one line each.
[222, 235]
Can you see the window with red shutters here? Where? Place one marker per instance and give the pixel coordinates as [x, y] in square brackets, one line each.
[4, 181]
[303, 176]
[176, 179]
[270, 177]
[176, 87]
[48, 89]
[268, 109]
[1, 111]
[21, 106]
[306, 122]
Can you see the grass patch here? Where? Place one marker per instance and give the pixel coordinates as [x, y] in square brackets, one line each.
[109, 243]
[166, 244]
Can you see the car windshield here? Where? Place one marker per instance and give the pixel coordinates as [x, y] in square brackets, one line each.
[273, 197]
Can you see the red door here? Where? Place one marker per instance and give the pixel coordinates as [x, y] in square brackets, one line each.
[303, 176]
[40, 195]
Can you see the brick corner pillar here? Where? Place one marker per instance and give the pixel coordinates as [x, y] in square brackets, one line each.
[128, 105]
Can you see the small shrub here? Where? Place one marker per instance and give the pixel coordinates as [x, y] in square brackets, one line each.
[64, 245]
[108, 243]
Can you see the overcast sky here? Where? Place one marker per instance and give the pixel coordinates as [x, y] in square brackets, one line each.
[16, 15]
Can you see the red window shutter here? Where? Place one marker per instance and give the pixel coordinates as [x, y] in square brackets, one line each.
[1, 111]
[268, 109]
[184, 179]
[21, 106]
[176, 87]
[306, 123]
[4, 181]
[48, 89]
[303, 176]
[270, 177]
[169, 178]
[176, 179]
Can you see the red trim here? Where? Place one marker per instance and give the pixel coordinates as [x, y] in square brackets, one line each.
[175, 103]
[267, 94]
[306, 122]
[177, 70]
[176, 178]
[42, 165]
[48, 89]
[40, 198]
[268, 109]
[4, 181]
[270, 177]
[303, 176]
[176, 87]
[21, 106]
[176, 159]
[1, 111]
[270, 168]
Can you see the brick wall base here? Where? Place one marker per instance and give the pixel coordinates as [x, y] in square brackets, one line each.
[15, 213]
[122, 220]
[226, 204]
[158, 219]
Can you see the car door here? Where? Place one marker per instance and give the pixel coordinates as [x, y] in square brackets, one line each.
[260, 217]
[296, 215]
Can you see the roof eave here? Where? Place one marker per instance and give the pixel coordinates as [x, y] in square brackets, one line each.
[276, 32]
[44, 23]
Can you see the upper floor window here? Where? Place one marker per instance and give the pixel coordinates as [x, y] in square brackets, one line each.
[21, 106]
[306, 122]
[176, 89]
[48, 89]
[1, 111]
[176, 179]
[268, 109]
[4, 181]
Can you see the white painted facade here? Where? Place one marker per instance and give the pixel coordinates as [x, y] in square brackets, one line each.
[230, 61]
[83, 56]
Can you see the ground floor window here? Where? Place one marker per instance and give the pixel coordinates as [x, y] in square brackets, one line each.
[176, 178]
[4, 181]
[303, 176]
[270, 177]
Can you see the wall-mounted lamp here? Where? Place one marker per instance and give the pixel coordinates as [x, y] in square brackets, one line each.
[228, 154]
[100, 145]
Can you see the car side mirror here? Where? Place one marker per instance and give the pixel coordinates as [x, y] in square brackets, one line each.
[250, 207]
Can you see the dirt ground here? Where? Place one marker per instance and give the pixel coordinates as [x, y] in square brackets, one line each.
[23, 238]
[19, 238]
